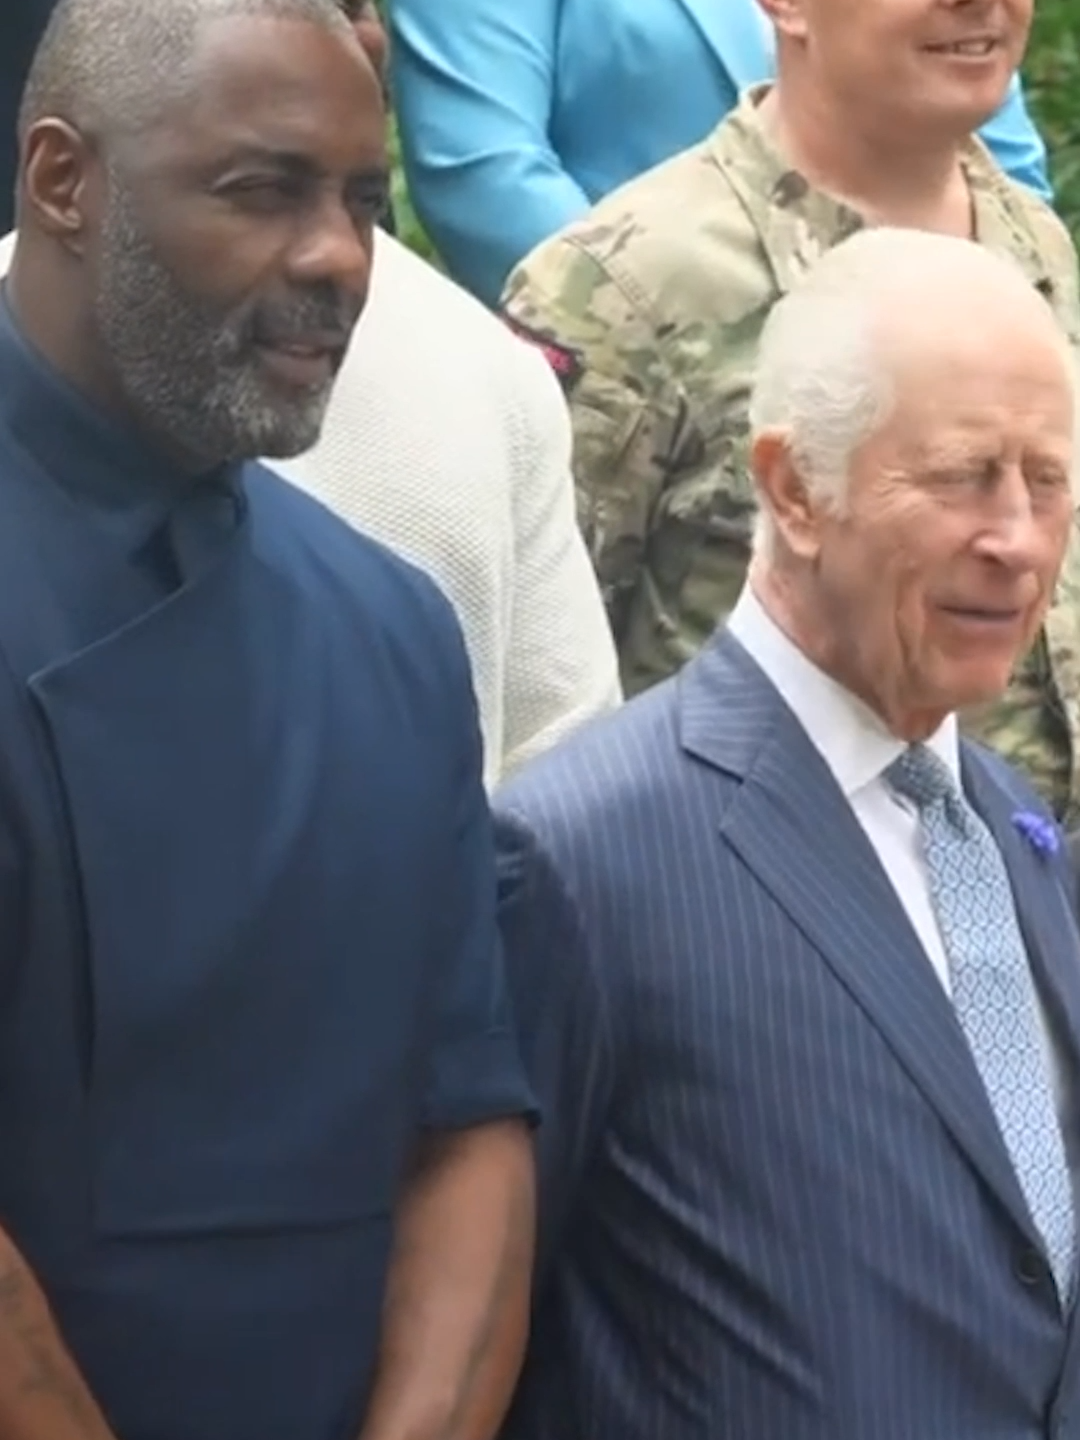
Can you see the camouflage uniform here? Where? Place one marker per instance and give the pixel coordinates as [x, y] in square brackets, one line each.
[654, 304]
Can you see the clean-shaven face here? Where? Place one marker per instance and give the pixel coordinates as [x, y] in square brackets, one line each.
[930, 65]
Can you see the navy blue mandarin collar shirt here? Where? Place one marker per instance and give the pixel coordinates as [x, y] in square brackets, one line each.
[120, 525]
[225, 1018]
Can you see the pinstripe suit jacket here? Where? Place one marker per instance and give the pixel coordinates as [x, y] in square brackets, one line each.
[775, 1202]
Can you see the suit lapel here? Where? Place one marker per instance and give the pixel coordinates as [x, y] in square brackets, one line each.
[794, 828]
[739, 35]
[1043, 905]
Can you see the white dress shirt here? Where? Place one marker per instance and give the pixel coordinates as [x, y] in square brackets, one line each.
[858, 749]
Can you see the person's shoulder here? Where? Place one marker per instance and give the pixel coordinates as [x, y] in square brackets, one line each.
[1056, 249]
[605, 776]
[413, 293]
[1012, 218]
[986, 176]
[661, 245]
[414, 309]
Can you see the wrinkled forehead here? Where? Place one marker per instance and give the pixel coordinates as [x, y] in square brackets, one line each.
[965, 400]
[275, 85]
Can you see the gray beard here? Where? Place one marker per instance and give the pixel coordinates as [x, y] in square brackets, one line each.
[190, 372]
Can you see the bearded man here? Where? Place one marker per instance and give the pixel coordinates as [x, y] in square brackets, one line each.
[263, 1162]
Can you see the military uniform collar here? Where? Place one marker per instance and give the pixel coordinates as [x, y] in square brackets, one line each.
[795, 223]
[798, 223]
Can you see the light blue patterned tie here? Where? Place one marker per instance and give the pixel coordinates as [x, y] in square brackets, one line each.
[994, 994]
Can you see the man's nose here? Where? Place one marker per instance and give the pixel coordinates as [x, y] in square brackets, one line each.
[1014, 529]
[333, 250]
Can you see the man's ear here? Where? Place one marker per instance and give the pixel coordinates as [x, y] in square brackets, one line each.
[787, 16]
[785, 492]
[56, 167]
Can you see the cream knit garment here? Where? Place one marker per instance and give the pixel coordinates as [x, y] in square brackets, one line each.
[448, 439]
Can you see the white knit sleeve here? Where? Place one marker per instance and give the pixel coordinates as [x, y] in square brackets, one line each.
[561, 666]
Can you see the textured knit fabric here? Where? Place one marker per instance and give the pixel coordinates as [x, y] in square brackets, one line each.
[448, 440]
[993, 993]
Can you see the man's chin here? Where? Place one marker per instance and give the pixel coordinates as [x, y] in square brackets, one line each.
[288, 448]
[283, 431]
[288, 441]
[282, 441]
[980, 697]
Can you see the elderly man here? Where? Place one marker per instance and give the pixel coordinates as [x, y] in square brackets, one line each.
[655, 305]
[264, 1161]
[798, 969]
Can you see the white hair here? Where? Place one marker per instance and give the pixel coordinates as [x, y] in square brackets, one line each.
[823, 383]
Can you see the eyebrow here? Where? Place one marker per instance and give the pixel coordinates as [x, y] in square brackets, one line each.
[989, 467]
[296, 163]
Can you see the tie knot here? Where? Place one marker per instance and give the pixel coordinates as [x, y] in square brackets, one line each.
[921, 777]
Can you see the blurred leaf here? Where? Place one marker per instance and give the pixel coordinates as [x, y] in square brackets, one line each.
[1052, 78]
[409, 229]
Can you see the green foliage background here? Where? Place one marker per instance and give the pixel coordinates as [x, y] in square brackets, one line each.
[1052, 77]
[408, 227]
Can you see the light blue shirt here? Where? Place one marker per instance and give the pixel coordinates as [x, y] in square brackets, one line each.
[517, 115]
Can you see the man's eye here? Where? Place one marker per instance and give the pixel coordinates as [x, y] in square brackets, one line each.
[367, 204]
[1048, 480]
[953, 479]
[266, 190]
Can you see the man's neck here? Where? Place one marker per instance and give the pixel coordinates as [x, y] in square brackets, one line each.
[61, 334]
[884, 176]
[793, 611]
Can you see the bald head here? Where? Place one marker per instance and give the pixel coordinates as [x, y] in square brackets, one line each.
[108, 66]
[871, 312]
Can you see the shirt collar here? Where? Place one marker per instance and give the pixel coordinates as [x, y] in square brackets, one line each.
[850, 738]
[78, 446]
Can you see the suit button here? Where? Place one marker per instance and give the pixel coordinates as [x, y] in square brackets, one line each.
[1030, 1266]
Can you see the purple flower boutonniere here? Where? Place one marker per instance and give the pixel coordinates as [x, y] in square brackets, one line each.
[1042, 835]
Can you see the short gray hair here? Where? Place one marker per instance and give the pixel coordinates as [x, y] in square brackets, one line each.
[822, 382]
[107, 66]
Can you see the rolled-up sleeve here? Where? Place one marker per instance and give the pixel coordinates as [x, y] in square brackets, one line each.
[561, 665]
[474, 1072]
